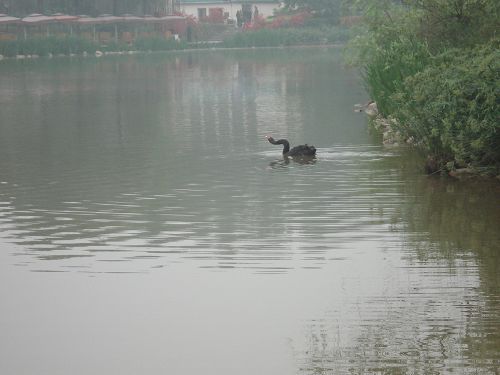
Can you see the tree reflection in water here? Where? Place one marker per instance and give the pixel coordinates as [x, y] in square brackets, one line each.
[438, 312]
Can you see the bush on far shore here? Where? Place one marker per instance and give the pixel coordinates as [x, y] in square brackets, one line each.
[158, 44]
[47, 45]
[287, 37]
[76, 45]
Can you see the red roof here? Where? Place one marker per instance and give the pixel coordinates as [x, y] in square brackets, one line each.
[63, 17]
[5, 19]
[36, 18]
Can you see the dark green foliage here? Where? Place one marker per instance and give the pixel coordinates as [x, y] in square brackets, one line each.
[453, 106]
[390, 66]
[116, 46]
[75, 45]
[287, 37]
[158, 44]
[456, 23]
[327, 9]
[434, 66]
[47, 45]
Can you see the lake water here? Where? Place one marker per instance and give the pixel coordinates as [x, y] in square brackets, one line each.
[147, 226]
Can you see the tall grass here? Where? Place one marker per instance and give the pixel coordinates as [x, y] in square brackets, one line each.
[287, 37]
[447, 101]
[158, 44]
[47, 45]
[75, 45]
[387, 70]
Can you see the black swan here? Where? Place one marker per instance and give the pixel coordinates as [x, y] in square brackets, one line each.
[297, 151]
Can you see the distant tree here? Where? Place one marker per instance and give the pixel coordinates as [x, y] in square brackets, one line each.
[324, 8]
[457, 22]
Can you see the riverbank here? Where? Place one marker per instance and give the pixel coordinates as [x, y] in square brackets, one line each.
[437, 82]
[387, 128]
[218, 46]
[74, 46]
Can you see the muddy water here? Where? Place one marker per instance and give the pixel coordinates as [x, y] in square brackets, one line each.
[146, 226]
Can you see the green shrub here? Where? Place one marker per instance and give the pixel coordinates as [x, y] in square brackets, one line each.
[9, 48]
[287, 37]
[76, 45]
[337, 34]
[79, 45]
[44, 46]
[158, 44]
[388, 68]
[447, 101]
[209, 31]
[453, 106]
[115, 46]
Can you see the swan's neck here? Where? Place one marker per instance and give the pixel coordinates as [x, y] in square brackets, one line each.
[284, 142]
[286, 145]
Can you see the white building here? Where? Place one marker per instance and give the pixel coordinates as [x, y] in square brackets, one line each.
[204, 8]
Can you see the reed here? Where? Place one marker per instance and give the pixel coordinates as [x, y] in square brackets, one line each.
[385, 73]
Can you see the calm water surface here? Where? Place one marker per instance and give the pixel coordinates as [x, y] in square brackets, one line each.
[147, 227]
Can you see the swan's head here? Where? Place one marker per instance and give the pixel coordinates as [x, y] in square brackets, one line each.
[270, 139]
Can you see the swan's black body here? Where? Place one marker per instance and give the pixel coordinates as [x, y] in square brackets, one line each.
[297, 151]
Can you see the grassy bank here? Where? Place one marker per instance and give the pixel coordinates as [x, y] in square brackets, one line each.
[438, 82]
[74, 45]
[453, 107]
[45, 46]
[69, 45]
[287, 37]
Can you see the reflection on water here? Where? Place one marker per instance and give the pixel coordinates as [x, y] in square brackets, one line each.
[235, 212]
[437, 310]
[156, 168]
[169, 160]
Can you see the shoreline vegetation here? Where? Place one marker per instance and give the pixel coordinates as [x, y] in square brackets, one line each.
[72, 45]
[209, 46]
[433, 71]
[75, 46]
